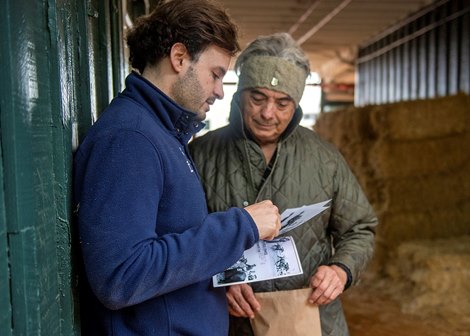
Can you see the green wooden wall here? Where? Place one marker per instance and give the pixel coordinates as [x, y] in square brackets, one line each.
[60, 64]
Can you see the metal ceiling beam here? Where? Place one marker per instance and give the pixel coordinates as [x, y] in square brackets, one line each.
[304, 16]
[323, 22]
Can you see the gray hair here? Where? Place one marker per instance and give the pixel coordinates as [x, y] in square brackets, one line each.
[280, 45]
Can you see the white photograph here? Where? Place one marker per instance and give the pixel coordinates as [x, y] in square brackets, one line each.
[265, 260]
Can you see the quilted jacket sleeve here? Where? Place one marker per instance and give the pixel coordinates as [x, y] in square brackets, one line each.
[352, 222]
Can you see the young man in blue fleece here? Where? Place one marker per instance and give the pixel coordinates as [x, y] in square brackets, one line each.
[148, 244]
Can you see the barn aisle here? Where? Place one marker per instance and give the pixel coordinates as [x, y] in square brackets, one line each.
[372, 310]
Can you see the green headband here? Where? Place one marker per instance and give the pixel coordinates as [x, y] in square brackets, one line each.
[273, 73]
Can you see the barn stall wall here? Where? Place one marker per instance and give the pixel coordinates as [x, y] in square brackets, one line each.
[55, 60]
[426, 55]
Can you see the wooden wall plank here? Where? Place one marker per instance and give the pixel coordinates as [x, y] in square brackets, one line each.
[5, 299]
[66, 30]
[28, 174]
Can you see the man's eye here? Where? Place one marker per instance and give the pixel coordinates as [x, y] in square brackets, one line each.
[215, 76]
[283, 104]
[257, 99]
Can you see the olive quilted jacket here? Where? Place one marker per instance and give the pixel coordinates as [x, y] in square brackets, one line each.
[306, 170]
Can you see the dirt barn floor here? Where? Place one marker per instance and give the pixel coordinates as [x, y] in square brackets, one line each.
[371, 311]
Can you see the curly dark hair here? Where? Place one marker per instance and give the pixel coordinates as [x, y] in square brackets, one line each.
[195, 23]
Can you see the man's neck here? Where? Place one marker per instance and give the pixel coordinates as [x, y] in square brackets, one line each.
[268, 151]
[160, 76]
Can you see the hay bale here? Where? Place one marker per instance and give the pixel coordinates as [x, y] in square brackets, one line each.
[432, 223]
[328, 124]
[427, 191]
[404, 121]
[422, 119]
[435, 275]
[417, 158]
[346, 127]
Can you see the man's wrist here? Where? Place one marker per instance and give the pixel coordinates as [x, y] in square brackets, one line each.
[346, 270]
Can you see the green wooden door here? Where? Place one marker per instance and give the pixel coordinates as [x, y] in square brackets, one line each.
[57, 74]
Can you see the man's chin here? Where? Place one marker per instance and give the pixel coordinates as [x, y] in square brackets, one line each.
[201, 115]
[265, 129]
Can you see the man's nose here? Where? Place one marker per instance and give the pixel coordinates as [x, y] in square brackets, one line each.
[219, 90]
[268, 110]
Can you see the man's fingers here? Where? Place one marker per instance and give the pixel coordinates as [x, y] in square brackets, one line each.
[266, 217]
[234, 309]
[316, 294]
[250, 297]
[240, 299]
[328, 296]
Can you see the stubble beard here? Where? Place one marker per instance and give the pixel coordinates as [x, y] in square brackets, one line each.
[188, 92]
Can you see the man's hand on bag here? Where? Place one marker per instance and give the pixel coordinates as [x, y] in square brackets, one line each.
[267, 219]
[327, 283]
[242, 301]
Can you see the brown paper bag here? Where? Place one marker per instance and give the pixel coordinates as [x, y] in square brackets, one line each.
[286, 313]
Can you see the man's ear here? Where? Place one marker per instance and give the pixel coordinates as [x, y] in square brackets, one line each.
[178, 55]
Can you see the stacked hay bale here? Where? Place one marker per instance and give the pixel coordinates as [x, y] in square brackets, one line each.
[434, 278]
[413, 161]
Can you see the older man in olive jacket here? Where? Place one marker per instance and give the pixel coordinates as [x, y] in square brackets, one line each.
[264, 154]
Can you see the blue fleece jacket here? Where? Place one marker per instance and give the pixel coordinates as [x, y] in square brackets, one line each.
[149, 247]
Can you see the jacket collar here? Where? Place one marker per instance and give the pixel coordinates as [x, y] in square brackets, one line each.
[237, 124]
[177, 120]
